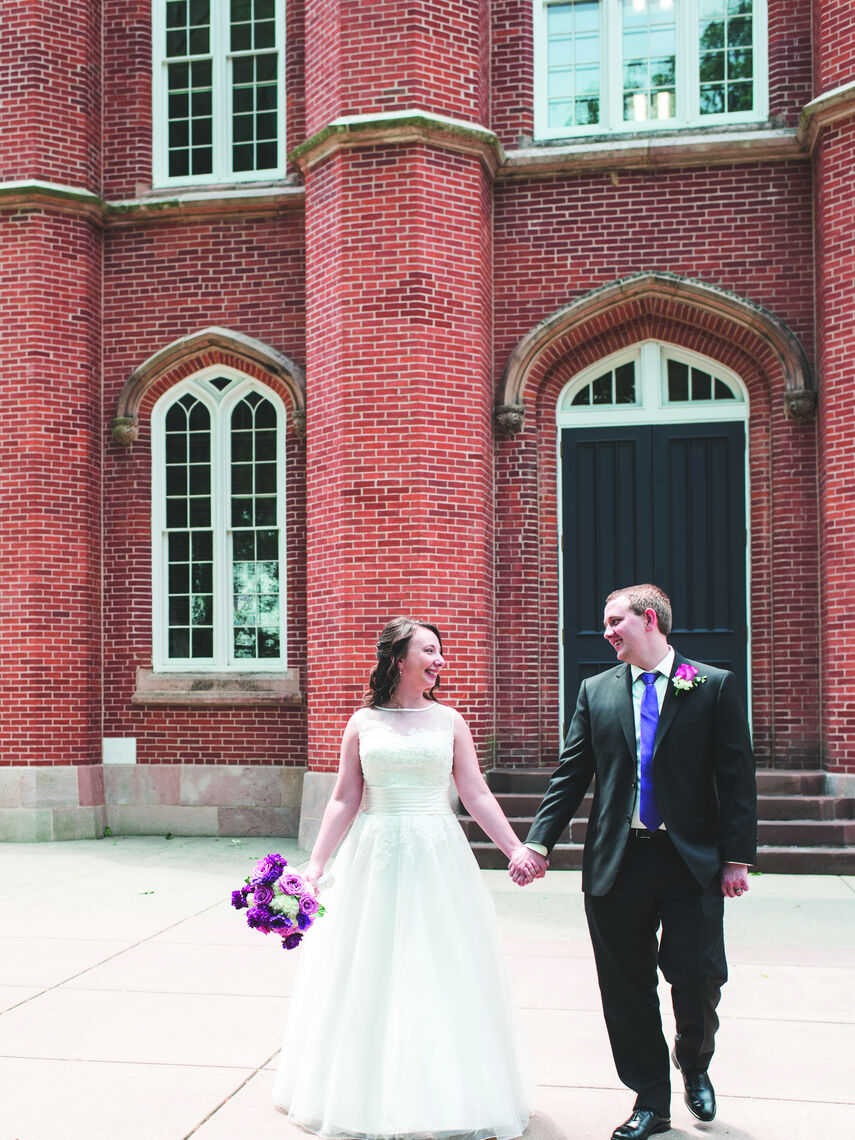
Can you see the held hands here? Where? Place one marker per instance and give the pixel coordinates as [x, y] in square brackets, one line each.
[526, 865]
[734, 880]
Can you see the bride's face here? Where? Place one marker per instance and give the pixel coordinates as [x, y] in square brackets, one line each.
[423, 660]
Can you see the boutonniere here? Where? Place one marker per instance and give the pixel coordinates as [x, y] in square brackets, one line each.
[686, 678]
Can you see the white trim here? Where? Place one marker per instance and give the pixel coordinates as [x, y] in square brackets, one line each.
[687, 81]
[649, 410]
[221, 72]
[220, 410]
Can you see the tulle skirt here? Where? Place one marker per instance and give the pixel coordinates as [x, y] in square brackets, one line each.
[400, 1024]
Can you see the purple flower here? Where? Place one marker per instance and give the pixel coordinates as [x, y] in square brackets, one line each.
[258, 916]
[303, 921]
[309, 905]
[238, 900]
[292, 941]
[686, 672]
[262, 895]
[293, 884]
[267, 870]
[280, 922]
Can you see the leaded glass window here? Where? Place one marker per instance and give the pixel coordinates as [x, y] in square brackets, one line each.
[219, 525]
[627, 65]
[219, 91]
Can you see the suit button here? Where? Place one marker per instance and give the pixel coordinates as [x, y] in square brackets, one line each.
[629, 819]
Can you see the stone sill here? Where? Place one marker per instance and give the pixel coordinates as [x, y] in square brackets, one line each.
[662, 150]
[209, 689]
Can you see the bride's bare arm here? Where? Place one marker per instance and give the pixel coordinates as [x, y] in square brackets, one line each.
[342, 807]
[480, 802]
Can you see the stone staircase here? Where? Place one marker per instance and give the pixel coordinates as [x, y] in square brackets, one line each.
[801, 829]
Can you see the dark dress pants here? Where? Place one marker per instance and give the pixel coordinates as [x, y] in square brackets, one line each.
[654, 888]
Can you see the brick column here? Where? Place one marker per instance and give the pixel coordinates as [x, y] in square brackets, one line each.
[399, 396]
[834, 122]
[50, 422]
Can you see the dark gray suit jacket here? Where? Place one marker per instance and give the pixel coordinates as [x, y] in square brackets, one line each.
[703, 775]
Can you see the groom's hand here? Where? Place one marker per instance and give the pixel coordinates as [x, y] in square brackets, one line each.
[526, 865]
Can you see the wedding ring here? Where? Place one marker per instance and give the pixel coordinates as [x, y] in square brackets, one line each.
[739, 890]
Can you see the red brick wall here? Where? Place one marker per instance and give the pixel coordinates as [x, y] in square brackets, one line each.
[128, 92]
[376, 56]
[50, 461]
[399, 438]
[835, 158]
[50, 91]
[833, 44]
[164, 282]
[557, 239]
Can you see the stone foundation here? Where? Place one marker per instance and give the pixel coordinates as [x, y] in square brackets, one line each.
[42, 804]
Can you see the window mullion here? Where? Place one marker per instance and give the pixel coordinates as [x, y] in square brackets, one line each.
[687, 64]
[612, 64]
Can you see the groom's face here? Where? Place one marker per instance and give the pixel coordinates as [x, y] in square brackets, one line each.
[627, 632]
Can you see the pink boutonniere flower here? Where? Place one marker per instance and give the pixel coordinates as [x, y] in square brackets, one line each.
[686, 678]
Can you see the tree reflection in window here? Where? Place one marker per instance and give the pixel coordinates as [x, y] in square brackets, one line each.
[255, 535]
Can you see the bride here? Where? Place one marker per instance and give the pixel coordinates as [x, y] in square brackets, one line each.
[400, 1023]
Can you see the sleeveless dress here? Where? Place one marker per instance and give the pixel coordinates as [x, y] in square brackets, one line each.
[400, 1023]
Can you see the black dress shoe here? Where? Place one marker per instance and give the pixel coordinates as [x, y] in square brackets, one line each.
[698, 1093]
[644, 1122]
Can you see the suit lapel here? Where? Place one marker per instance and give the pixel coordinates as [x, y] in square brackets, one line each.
[623, 701]
[669, 705]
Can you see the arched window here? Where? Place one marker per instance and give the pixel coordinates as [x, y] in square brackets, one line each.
[651, 382]
[218, 533]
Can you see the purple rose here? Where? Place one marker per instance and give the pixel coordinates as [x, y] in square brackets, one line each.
[238, 900]
[267, 870]
[292, 941]
[309, 905]
[258, 916]
[293, 884]
[262, 895]
[686, 672]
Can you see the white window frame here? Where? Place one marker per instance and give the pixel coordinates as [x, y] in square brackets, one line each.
[220, 409]
[221, 66]
[651, 407]
[611, 75]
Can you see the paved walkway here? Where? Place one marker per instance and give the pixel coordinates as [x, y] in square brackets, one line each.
[137, 1006]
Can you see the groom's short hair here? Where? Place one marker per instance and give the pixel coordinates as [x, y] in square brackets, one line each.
[647, 597]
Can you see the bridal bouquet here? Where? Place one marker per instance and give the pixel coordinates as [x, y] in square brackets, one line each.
[277, 901]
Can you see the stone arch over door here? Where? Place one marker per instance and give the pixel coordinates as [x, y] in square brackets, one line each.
[771, 362]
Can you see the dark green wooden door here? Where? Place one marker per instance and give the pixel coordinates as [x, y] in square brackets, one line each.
[663, 504]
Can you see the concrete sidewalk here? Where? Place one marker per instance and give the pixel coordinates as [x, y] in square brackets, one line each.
[138, 1006]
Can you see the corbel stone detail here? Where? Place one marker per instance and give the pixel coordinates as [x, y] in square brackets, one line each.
[508, 419]
[125, 430]
[298, 423]
[800, 405]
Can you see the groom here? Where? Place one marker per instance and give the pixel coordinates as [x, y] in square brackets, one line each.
[671, 832]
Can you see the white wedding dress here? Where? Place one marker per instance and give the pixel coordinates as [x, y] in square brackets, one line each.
[400, 1023]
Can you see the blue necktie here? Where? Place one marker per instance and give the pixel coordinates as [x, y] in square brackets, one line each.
[648, 809]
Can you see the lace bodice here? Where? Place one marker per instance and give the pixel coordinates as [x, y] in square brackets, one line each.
[410, 748]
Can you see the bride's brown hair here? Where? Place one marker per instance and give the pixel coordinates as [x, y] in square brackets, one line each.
[392, 646]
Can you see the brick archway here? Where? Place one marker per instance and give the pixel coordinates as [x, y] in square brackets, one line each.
[769, 359]
[189, 354]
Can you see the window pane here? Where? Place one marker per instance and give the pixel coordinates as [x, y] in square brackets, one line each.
[649, 43]
[582, 397]
[255, 541]
[625, 384]
[573, 53]
[187, 506]
[602, 389]
[726, 58]
[678, 381]
[701, 385]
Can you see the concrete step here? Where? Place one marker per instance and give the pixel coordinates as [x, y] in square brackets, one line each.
[805, 807]
[774, 833]
[806, 860]
[769, 807]
[789, 782]
[771, 860]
